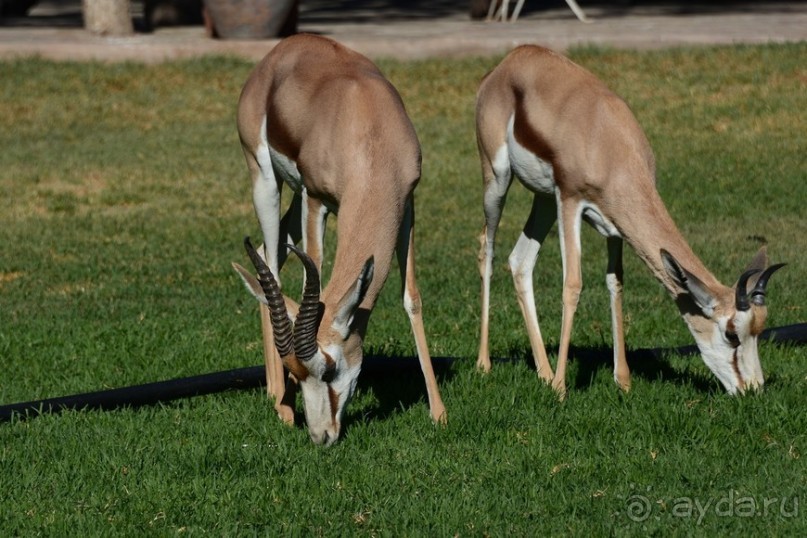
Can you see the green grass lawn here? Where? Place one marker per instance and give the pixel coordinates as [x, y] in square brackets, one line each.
[125, 198]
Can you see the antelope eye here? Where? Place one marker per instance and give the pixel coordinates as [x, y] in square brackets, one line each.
[733, 339]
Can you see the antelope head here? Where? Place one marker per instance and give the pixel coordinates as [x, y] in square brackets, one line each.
[727, 322]
[325, 360]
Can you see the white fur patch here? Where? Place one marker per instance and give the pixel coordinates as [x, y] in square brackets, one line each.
[718, 355]
[592, 214]
[266, 199]
[535, 173]
[323, 421]
[287, 170]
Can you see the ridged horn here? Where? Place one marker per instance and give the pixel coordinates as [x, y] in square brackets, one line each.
[281, 324]
[307, 323]
[758, 293]
[741, 302]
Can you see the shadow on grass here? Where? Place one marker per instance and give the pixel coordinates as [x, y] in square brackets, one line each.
[652, 364]
[401, 377]
[648, 364]
[396, 382]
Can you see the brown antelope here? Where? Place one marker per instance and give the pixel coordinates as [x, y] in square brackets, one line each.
[324, 120]
[579, 149]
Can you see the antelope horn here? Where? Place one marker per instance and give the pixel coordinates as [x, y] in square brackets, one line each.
[741, 291]
[758, 293]
[281, 324]
[307, 323]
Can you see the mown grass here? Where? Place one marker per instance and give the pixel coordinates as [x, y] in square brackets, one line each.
[125, 197]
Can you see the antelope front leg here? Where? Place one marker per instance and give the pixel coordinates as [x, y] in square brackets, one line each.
[613, 279]
[522, 263]
[569, 227]
[413, 306]
[275, 374]
[315, 214]
[266, 199]
[284, 387]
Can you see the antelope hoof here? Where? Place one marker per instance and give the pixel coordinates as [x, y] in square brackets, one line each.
[545, 374]
[624, 385]
[483, 364]
[286, 414]
[559, 385]
[440, 417]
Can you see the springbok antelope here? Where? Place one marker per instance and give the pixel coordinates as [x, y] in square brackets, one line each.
[579, 149]
[323, 119]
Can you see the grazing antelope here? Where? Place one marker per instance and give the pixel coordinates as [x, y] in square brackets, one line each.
[324, 120]
[579, 149]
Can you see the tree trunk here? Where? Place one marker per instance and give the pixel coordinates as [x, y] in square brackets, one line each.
[107, 17]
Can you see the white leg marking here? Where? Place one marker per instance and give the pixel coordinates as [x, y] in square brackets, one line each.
[266, 199]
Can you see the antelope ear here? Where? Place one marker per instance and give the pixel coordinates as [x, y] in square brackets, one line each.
[760, 261]
[697, 290]
[347, 306]
[759, 264]
[252, 284]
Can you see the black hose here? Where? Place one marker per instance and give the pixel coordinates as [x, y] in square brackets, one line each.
[254, 376]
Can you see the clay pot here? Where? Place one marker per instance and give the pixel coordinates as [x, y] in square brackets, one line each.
[251, 19]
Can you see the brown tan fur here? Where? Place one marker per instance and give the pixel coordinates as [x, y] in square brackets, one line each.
[332, 113]
[600, 158]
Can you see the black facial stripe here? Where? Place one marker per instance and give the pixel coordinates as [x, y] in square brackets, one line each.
[731, 334]
[333, 397]
[733, 339]
[737, 370]
[330, 369]
[329, 375]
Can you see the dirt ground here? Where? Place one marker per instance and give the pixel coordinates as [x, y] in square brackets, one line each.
[419, 29]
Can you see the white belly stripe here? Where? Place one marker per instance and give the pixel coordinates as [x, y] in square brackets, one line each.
[535, 173]
[538, 176]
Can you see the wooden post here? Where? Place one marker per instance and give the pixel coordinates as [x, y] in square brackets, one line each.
[108, 17]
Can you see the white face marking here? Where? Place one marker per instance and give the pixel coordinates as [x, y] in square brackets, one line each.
[319, 396]
[748, 353]
[749, 365]
[719, 354]
[535, 173]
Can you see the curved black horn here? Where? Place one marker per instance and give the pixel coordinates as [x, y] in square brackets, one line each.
[307, 323]
[741, 302]
[281, 324]
[758, 293]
